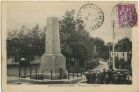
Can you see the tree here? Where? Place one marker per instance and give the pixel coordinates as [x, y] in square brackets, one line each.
[37, 38]
[101, 49]
[16, 42]
[26, 42]
[76, 43]
[124, 45]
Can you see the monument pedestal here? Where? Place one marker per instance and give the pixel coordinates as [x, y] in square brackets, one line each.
[53, 66]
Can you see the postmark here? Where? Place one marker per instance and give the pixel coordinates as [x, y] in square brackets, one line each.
[91, 15]
[127, 15]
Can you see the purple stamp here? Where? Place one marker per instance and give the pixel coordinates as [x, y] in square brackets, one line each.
[127, 15]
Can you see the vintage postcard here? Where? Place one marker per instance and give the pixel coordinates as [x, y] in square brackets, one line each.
[86, 46]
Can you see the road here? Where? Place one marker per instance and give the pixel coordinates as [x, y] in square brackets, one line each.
[102, 65]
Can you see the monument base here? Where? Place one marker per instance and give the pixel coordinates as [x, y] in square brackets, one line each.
[53, 66]
[49, 81]
[49, 75]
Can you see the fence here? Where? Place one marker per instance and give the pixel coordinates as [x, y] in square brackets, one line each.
[32, 71]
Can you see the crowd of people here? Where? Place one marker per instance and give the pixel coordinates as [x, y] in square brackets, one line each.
[108, 77]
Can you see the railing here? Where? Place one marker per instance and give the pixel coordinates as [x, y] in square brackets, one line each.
[32, 71]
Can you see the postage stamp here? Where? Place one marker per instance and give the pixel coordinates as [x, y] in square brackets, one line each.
[127, 15]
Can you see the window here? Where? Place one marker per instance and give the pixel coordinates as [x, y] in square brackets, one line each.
[123, 53]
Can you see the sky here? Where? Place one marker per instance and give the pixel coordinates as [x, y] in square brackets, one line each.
[29, 13]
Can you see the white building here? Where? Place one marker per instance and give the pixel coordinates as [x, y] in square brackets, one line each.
[121, 55]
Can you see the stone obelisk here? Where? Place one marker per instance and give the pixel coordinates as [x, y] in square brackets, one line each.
[52, 60]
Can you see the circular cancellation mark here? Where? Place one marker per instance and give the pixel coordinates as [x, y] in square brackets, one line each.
[91, 15]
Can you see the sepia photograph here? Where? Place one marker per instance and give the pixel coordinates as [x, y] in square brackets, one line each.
[70, 42]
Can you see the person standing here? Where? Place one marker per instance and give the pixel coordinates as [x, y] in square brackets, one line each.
[128, 79]
[87, 77]
[110, 76]
[103, 76]
[115, 78]
[119, 77]
[93, 77]
[98, 77]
